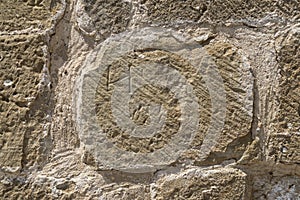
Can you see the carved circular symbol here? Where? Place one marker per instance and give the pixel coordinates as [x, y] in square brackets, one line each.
[142, 97]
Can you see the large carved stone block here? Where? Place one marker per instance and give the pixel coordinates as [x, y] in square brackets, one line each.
[145, 96]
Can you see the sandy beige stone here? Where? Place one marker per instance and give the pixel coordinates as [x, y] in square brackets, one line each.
[221, 183]
[44, 45]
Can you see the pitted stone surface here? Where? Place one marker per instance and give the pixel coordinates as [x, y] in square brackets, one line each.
[21, 75]
[104, 17]
[174, 11]
[288, 116]
[151, 93]
[28, 15]
[128, 193]
[239, 84]
[223, 183]
[114, 135]
[254, 45]
[177, 73]
[283, 142]
[284, 148]
[283, 187]
[252, 12]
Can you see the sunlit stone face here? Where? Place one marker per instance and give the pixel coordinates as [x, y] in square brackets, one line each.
[147, 96]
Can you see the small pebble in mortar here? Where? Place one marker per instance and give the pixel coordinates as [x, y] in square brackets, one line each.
[8, 82]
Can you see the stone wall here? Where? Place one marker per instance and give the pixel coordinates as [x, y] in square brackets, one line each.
[149, 99]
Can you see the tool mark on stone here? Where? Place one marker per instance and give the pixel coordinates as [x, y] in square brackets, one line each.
[143, 96]
[107, 77]
[130, 81]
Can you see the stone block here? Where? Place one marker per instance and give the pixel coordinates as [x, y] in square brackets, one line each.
[28, 15]
[22, 78]
[221, 183]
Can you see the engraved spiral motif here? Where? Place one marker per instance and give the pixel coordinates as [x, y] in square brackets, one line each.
[144, 95]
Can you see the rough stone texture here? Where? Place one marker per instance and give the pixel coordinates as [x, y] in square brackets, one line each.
[284, 148]
[23, 68]
[288, 116]
[27, 16]
[45, 46]
[224, 183]
[103, 18]
[284, 187]
[170, 11]
[239, 83]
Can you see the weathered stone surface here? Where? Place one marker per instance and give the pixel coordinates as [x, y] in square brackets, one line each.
[222, 183]
[102, 18]
[128, 193]
[23, 78]
[252, 151]
[283, 139]
[113, 75]
[178, 13]
[166, 12]
[28, 15]
[251, 12]
[284, 148]
[288, 114]
[285, 187]
[239, 85]
[219, 95]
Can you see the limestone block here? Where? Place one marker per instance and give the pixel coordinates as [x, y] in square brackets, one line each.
[103, 18]
[283, 139]
[131, 113]
[28, 15]
[222, 183]
[284, 187]
[128, 192]
[251, 13]
[149, 99]
[288, 113]
[284, 148]
[180, 14]
[23, 76]
[171, 11]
